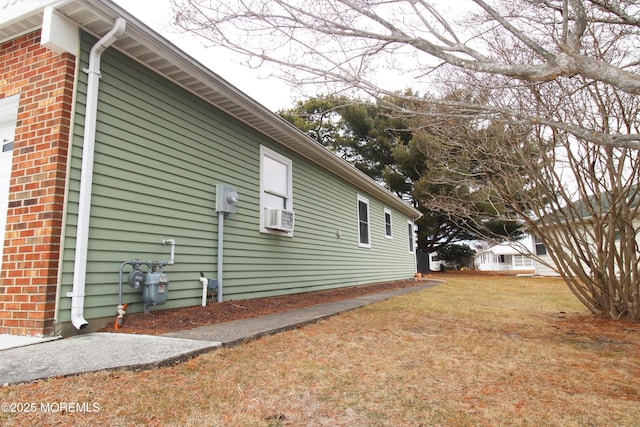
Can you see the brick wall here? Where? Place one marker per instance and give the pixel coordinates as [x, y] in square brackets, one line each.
[28, 279]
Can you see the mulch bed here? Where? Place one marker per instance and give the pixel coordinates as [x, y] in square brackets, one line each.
[163, 321]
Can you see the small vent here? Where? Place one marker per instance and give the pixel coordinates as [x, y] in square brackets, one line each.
[279, 219]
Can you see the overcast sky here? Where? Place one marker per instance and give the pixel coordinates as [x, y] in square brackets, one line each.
[269, 91]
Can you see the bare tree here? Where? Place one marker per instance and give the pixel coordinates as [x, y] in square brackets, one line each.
[342, 44]
[552, 87]
[581, 200]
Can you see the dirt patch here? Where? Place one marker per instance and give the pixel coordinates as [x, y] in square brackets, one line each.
[163, 321]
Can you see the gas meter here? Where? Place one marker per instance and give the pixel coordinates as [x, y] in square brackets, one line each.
[154, 288]
[154, 282]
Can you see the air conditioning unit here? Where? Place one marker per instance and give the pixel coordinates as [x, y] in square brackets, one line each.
[278, 219]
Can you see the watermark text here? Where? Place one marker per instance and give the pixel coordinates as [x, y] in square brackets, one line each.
[49, 407]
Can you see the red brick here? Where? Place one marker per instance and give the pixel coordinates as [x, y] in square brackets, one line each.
[29, 270]
[21, 298]
[12, 306]
[11, 323]
[29, 324]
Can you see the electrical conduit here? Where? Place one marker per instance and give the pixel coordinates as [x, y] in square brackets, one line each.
[86, 175]
[220, 249]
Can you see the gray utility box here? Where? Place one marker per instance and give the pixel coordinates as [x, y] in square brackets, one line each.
[226, 198]
[155, 288]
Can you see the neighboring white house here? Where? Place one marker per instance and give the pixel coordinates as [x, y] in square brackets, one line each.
[540, 251]
[507, 257]
[524, 255]
[528, 254]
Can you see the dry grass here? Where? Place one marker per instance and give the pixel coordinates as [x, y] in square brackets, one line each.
[476, 351]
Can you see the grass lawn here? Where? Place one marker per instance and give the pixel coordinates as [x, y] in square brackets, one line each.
[475, 351]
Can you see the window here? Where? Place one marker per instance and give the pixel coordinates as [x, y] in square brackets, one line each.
[387, 224]
[363, 223]
[540, 248]
[522, 261]
[276, 199]
[412, 236]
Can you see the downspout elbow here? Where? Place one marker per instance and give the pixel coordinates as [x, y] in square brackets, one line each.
[107, 40]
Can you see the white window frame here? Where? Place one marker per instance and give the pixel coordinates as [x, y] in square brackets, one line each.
[361, 199]
[288, 197]
[8, 122]
[411, 236]
[390, 234]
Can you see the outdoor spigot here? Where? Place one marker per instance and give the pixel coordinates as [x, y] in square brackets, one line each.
[121, 311]
[120, 316]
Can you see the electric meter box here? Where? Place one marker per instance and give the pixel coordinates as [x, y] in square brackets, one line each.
[155, 288]
[226, 198]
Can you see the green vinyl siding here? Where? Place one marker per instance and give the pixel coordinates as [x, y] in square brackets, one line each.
[160, 151]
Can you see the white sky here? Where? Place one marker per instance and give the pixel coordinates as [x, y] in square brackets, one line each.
[271, 92]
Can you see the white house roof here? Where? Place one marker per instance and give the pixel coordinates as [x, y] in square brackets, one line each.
[502, 250]
[155, 52]
[506, 249]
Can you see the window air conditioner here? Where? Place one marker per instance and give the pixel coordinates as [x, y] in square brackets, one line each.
[279, 219]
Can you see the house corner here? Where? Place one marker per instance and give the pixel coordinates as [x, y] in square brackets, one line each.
[42, 83]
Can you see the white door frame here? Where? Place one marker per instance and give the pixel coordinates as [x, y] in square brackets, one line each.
[8, 119]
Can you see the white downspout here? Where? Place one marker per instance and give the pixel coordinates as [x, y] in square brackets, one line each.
[86, 174]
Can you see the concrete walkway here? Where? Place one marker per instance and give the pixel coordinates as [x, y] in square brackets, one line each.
[99, 351]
